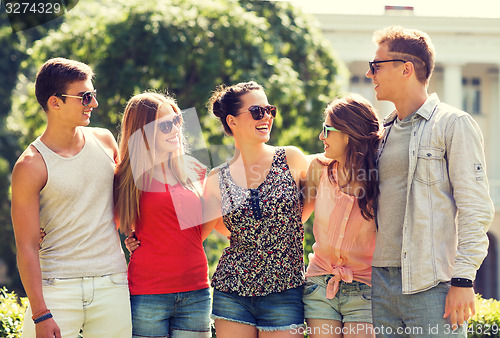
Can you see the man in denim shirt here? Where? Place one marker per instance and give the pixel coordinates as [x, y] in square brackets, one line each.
[434, 207]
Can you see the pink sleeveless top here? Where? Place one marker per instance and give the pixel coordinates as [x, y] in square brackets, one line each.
[344, 239]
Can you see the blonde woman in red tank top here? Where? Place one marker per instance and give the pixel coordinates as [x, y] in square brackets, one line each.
[157, 196]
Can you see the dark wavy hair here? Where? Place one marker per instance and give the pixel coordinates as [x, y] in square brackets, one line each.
[356, 117]
[227, 101]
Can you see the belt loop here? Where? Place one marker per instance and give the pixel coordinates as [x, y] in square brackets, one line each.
[327, 279]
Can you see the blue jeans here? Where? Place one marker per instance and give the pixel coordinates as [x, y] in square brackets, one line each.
[413, 315]
[274, 312]
[182, 314]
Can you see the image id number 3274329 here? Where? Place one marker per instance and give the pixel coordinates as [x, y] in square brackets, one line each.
[36, 7]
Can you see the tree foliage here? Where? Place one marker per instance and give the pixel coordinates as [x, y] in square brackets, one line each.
[187, 47]
[190, 47]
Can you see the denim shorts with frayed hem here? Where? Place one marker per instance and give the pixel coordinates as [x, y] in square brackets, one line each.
[273, 312]
[180, 314]
[352, 303]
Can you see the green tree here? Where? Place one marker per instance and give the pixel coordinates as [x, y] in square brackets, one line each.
[188, 48]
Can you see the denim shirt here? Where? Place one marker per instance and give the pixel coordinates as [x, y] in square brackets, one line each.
[448, 207]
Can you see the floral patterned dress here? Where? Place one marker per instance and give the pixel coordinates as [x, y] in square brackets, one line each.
[265, 254]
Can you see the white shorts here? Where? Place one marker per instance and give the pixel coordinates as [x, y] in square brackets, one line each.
[100, 306]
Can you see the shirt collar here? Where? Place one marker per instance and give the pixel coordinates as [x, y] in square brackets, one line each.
[425, 111]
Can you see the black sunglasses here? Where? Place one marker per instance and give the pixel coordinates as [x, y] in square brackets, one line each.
[371, 63]
[86, 97]
[166, 126]
[258, 112]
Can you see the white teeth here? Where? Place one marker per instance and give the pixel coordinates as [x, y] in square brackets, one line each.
[172, 140]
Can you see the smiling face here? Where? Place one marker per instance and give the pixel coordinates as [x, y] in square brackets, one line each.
[244, 126]
[72, 110]
[171, 141]
[387, 75]
[335, 144]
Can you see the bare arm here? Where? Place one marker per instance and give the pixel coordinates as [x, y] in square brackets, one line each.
[212, 215]
[298, 164]
[28, 178]
[309, 191]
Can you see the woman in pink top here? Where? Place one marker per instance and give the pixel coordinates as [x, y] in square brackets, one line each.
[342, 189]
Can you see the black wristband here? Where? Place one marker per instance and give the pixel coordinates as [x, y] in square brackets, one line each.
[461, 282]
[42, 318]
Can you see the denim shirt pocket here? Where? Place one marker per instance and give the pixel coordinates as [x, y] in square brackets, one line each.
[430, 165]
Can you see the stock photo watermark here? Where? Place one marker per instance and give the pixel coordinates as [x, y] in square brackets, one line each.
[26, 14]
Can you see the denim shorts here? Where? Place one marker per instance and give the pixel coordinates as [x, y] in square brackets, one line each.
[352, 303]
[274, 312]
[181, 314]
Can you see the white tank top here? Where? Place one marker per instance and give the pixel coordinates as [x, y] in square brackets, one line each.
[76, 213]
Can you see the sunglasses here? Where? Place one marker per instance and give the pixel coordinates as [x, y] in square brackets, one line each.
[326, 129]
[258, 112]
[86, 97]
[166, 126]
[374, 70]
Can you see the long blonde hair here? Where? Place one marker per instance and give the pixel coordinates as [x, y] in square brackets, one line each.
[134, 173]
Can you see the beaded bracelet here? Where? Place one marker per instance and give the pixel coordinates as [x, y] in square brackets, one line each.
[43, 317]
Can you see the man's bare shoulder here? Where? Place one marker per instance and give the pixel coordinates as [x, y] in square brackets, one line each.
[30, 167]
[102, 134]
[105, 138]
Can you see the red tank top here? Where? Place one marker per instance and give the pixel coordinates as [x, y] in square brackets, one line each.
[170, 258]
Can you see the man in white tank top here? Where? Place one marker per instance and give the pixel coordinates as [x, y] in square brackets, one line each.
[75, 278]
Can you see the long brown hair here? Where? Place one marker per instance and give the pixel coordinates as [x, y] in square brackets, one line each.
[356, 117]
[134, 172]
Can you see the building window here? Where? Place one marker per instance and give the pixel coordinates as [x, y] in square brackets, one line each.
[471, 95]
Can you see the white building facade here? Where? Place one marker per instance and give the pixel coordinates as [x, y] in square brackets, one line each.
[466, 76]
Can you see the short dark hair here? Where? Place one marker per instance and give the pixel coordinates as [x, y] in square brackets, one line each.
[409, 44]
[227, 101]
[55, 75]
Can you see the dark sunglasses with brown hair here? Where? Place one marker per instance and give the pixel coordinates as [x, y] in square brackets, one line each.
[258, 112]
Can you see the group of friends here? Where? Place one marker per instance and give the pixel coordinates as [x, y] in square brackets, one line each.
[401, 210]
